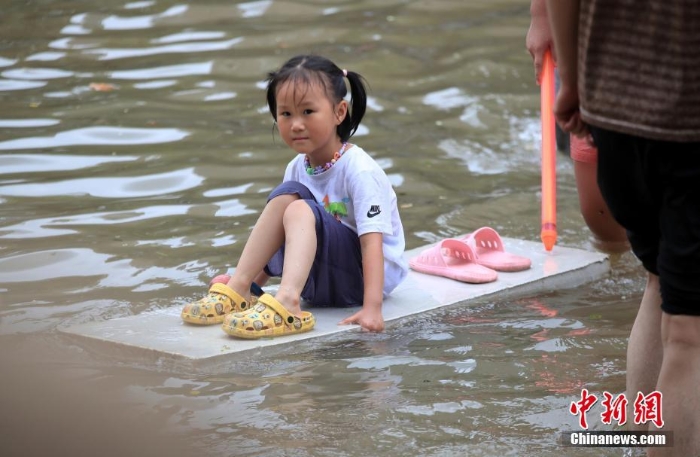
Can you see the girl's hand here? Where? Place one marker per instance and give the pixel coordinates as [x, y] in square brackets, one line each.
[369, 320]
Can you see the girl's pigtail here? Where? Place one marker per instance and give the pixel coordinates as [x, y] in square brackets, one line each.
[271, 93]
[358, 106]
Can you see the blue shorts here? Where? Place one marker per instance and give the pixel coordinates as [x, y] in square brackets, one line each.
[336, 277]
[653, 190]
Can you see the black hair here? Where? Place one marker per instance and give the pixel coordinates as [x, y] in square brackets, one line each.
[316, 69]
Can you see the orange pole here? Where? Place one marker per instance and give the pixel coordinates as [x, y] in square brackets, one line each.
[549, 155]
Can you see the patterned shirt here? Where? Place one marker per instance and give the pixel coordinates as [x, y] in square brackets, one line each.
[639, 67]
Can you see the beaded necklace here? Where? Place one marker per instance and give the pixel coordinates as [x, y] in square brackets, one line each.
[317, 170]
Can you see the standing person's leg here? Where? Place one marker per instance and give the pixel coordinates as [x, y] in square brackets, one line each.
[679, 270]
[608, 235]
[622, 180]
[644, 349]
[679, 383]
[651, 188]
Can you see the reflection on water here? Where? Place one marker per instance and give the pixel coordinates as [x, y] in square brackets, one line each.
[97, 136]
[136, 152]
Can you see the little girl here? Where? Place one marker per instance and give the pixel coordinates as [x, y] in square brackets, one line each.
[331, 230]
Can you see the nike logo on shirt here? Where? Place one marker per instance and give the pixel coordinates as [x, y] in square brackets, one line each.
[373, 211]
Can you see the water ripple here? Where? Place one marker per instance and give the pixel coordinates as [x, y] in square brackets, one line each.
[136, 5]
[35, 74]
[113, 188]
[13, 84]
[156, 84]
[233, 208]
[22, 123]
[75, 30]
[33, 163]
[46, 56]
[5, 62]
[170, 71]
[238, 190]
[383, 362]
[190, 35]
[141, 22]
[254, 9]
[449, 98]
[446, 407]
[83, 262]
[72, 43]
[180, 48]
[39, 228]
[114, 136]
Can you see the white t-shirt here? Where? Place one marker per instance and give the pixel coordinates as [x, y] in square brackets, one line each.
[357, 191]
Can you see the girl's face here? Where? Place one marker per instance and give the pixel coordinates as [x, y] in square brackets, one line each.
[307, 120]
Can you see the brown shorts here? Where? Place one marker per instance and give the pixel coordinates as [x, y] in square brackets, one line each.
[653, 190]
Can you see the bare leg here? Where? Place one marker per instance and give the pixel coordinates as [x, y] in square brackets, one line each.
[261, 279]
[609, 236]
[644, 350]
[679, 383]
[265, 239]
[299, 253]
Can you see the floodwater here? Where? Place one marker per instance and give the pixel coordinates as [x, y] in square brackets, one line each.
[135, 153]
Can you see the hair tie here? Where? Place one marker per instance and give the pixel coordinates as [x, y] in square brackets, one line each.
[345, 72]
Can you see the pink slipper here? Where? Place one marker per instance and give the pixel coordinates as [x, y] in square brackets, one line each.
[220, 279]
[452, 259]
[224, 279]
[488, 248]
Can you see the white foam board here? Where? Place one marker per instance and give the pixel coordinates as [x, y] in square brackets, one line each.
[161, 335]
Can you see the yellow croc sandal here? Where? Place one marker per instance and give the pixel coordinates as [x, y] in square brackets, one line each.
[211, 309]
[268, 318]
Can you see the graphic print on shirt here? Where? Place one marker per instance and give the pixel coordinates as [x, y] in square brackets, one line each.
[336, 209]
[373, 211]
